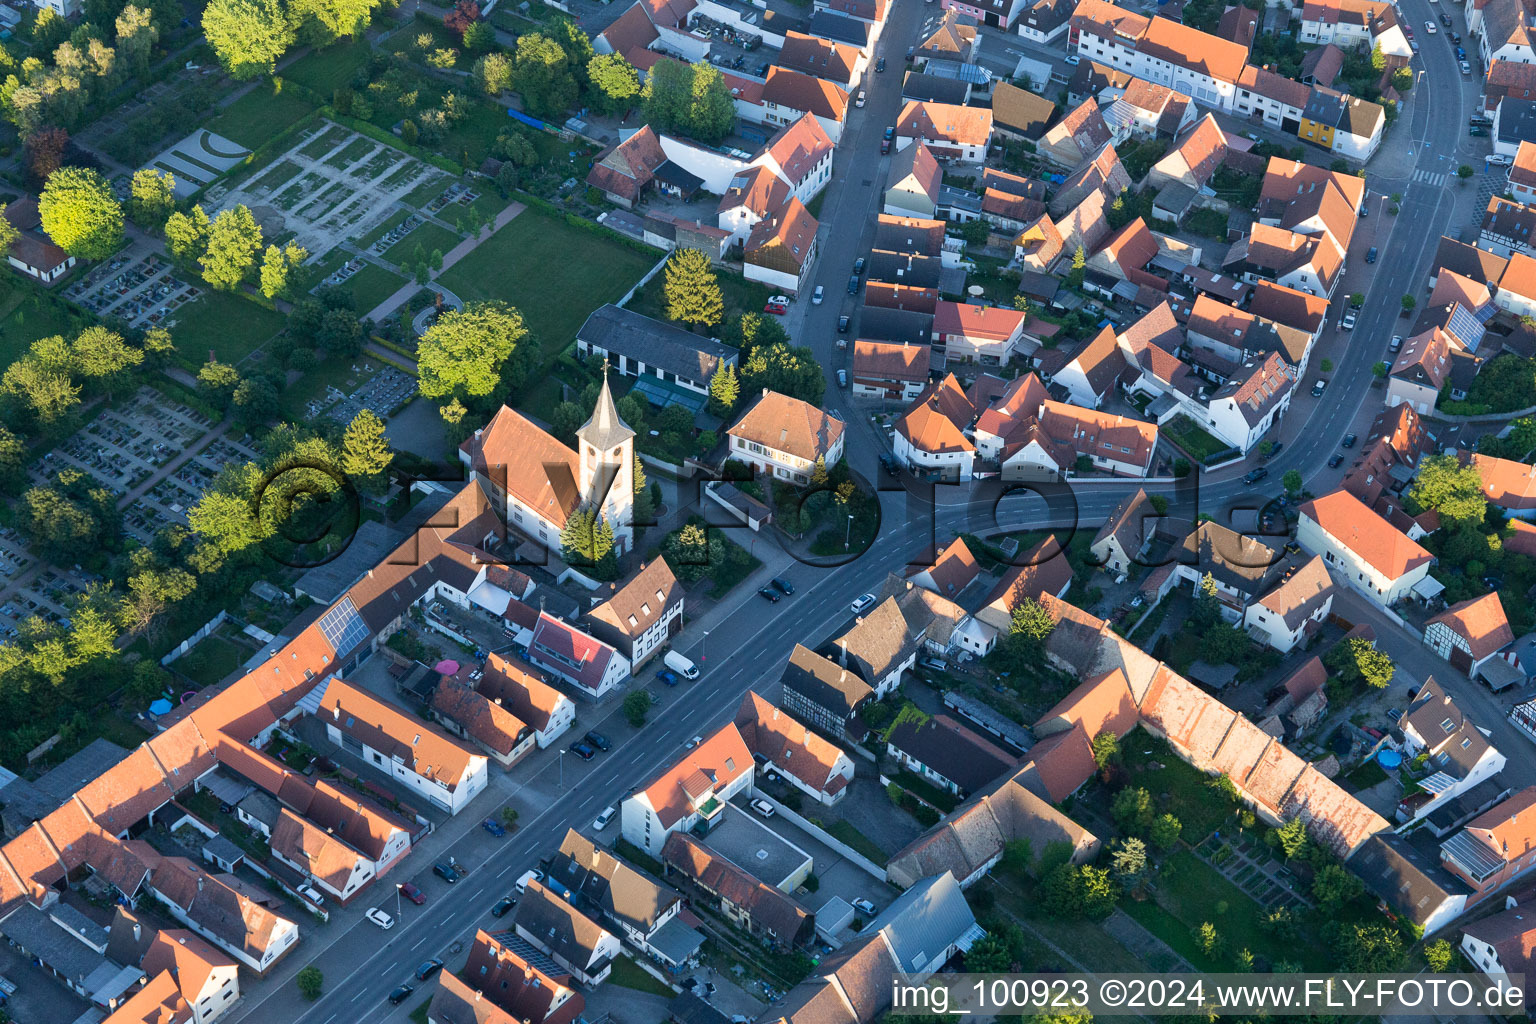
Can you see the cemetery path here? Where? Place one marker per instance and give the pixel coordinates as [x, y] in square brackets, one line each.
[452, 256]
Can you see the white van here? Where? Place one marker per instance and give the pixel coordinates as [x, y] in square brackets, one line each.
[681, 665]
[528, 877]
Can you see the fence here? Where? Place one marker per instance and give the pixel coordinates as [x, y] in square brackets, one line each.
[644, 280]
[192, 641]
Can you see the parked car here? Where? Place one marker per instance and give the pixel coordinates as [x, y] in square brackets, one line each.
[1445, 20]
[1370, 255]
[598, 740]
[859, 101]
[1278, 447]
[776, 308]
[885, 146]
[604, 818]
[1335, 460]
[667, 676]
[380, 918]
[858, 265]
[445, 872]
[412, 893]
[312, 894]
[842, 378]
[1071, 59]
[863, 906]
[890, 132]
[1395, 714]
[1397, 343]
[583, 750]
[1498, 160]
[880, 65]
[401, 994]
[782, 585]
[763, 807]
[1478, 132]
[1348, 323]
[494, 827]
[853, 284]
[817, 295]
[890, 464]
[1429, 27]
[1349, 441]
[768, 594]
[1466, 68]
[502, 906]
[1255, 475]
[1456, 38]
[842, 324]
[428, 969]
[1319, 387]
[863, 602]
[531, 875]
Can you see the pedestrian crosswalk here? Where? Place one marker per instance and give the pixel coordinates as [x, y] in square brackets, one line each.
[1431, 178]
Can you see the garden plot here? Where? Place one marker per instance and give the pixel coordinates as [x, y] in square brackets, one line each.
[331, 185]
[198, 159]
[136, 286]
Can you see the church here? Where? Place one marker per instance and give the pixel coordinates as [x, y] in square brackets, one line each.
[537, 483]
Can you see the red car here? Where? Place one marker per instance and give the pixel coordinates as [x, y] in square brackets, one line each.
[412, 893]
[885, 145]
[776, 308]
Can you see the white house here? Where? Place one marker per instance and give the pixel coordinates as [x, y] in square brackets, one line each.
[1470, 634]
[592, 667]
[519, 689]
[419, 756]
[1295, 608]
[1362, 548]
[1459, 755]
[690, 795]
[783, 437]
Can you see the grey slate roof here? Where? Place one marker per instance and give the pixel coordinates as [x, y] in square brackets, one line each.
[924, 921]
[1405, 878]
[666, 346]
[568, 933]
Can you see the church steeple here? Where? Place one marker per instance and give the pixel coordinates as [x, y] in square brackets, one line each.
[606, 454]
[604, 431]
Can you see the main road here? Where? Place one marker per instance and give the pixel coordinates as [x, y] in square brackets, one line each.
[750, 641]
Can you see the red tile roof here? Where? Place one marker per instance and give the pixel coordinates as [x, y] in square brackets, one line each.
[1348, 521]
[1481, 622]
[1506, 483]
[945, 123]
[801, 92]
[425, 749]
[715, 763]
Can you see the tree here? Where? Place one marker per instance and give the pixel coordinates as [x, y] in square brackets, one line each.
[543, 77]
[1129, 860]
[1368, 949]
[1291, 481]
[819, 476]
[1333, 887]
[1061, 892]
[218, 380]
[1098, 891]
[1438, 956]
[13, 461]
[636, 704]
[465, 351]
[255, 400]
[186, 235]
[1379, 370]
[310, 982]
[1165, 832]
[1293, 837]
[492, 73]
[233, 242]
[1408, 303]
[615, 82]
[1106, 749]
[1208, 939]
[1464, 172]
[101, 357]
[712, 110]
[692, 290]
[464, 14]
[80, 213]
[1378, 59]
[365, 451]
[586, 539]
[989, 955]
[8, 233]
[1132, 810]
[1031, 621]
[1454, 490]
[278, 266]
[152, 197]
[724, 388]
[789, 370]
[136, 37]
[45, 151]
[480, 38]
[248, 36]
[1207, 607]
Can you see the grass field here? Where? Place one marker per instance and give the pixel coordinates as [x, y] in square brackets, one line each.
[555, 274]
[371, 286]
[429, 236]
[260, 115]
[325, 70]
[229, 325]
[211, 660]
[629, 974]
[1191, 799]
[28, 313]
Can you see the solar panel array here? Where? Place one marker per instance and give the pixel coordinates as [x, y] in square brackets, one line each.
[343, 627]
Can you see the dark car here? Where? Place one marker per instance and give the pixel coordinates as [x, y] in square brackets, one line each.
[769, 594]
[1456, 38]
[858, 265]
[401, 994]
[1370, 256]
[1461, 54]
[583, 750]
[782, 585]
[853, 285]
[428, 969]
[1478, 131]
[494, 827]
[445, 872]
[1349, 441]
[1445, 20]
[1254, 476]
[1273, 451]
[667, 676]
[890, 464]
[503, 905]
[880, 64]
[1335, 460]
[842, 324]
[598, 740]
[412, 893]
[885, 145]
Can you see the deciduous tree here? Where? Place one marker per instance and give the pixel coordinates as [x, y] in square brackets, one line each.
[1454, 490]
[136, 37]
[186, 235]
[542, 75]
[1165, 831]
[492, 73]
[152, 197]
[615, 82]
[278, 266]
[233, 242]
[248, 36]
[464, 352]
[80, 213]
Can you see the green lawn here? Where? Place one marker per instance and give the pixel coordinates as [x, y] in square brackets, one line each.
[260, 115]
[211, 660]
[28, 313]
[631, 975]
[741, 296]
[1189, 797]
[325, 70]
[379, 232]
[555, 274]
[371, 286]
[429, 236]
[847, 834]
[1194, 440]
[229, 325]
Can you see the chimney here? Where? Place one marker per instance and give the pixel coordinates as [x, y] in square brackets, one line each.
[182, 940]
[199, 883]
[137, 931]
